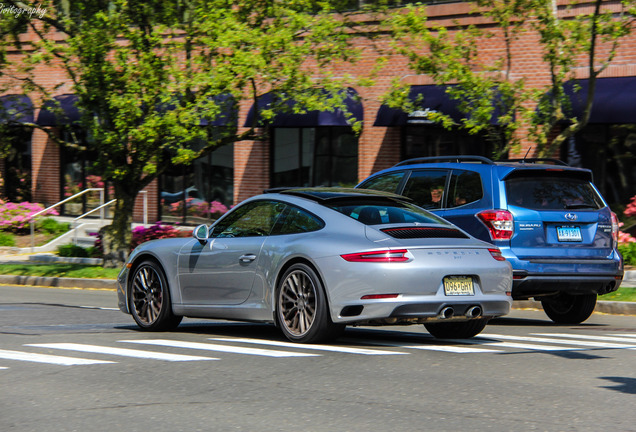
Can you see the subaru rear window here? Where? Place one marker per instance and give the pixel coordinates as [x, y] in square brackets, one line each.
[385, 212]
[552, 193]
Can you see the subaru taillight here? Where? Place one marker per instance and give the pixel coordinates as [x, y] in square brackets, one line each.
[397, 255]
[615, 227]
[500, 223]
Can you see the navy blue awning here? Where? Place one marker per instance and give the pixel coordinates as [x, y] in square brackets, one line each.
[311, 118]
[434, 99]
[613, 101]
[16, 108]
[228, 115]
[62, 110]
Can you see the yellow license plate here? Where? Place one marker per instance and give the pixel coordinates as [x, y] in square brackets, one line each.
[458, 286]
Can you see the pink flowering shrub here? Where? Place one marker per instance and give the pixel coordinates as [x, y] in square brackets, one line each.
[92, 181]
[157, 231]
[630, 210]
[626, 242]
[16, 216]
[197, 208]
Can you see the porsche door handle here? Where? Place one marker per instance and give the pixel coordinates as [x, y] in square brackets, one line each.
[246, 259]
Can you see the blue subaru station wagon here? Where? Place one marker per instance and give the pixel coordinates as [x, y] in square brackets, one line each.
[548, 219]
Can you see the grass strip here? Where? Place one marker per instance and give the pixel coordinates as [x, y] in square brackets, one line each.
[622, 294]
[60, 270]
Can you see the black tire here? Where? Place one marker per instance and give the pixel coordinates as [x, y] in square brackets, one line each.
[149, 299]
[457, 330]
[568, 308]
[302, 310]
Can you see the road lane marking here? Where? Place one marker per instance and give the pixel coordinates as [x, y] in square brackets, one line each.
[220, 348]
[560, 341]
[632, 342]
[331, 348]
[444, 348]
[46, 358]
[625, 335]
[124, 352]
[99, 308]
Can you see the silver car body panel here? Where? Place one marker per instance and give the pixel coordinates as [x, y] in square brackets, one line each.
[236, 278]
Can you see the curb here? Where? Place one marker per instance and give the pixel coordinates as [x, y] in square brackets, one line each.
[607, 307]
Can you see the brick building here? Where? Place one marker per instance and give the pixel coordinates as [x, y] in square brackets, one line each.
[324, 150]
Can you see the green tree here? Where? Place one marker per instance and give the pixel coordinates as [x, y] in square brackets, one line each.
[148, 74]
[486, 88]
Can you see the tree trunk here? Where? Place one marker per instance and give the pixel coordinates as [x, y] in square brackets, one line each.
[116, 237]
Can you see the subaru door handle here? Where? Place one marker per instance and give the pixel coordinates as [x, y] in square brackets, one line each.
[245, 259]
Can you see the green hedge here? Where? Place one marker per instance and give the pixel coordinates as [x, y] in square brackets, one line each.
[628, 250]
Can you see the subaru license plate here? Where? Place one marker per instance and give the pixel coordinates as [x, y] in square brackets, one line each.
[569, 234]
[458, 286]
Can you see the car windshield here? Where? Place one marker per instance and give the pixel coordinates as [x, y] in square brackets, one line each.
[552, 193]
[383, 212]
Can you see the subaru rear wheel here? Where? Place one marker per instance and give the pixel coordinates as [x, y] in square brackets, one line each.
[569, 309]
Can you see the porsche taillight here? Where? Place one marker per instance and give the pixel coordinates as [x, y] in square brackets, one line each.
[397, 255]
[496, 254]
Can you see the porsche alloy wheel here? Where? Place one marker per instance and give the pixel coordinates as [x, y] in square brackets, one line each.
[150, 299]
[303, 314]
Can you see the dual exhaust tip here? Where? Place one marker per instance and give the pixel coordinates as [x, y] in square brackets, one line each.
[449, 312]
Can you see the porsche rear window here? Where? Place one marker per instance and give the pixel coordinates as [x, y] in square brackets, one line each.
[552, 193]
[386, 212]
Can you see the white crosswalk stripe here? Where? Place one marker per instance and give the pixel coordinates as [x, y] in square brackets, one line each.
[629, 340]
[434, 346]
[121, 352]
[626, 335]
[605, 345]
[46, 358]
[221, 348]
[332, 348]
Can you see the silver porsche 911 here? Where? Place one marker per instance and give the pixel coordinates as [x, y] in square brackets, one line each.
[315, 260]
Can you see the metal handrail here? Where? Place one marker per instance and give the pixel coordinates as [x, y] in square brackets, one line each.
[101, 208]
[33, 216]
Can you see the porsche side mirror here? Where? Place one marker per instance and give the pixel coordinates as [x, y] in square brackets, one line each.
[201, 233]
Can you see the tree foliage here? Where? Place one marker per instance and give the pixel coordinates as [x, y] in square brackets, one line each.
[494, 91]
[153, 77]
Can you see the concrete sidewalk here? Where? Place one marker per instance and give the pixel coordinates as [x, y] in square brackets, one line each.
[609, 307]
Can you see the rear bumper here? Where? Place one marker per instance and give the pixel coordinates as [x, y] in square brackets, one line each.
[527, 285]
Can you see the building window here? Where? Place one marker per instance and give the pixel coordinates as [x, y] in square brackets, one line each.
[17, 164]
[78, 174]
[314, 156]
[609, 151]
[423, 141]
[200, 192]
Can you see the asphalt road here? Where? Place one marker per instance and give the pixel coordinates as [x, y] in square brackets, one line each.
[69, 361]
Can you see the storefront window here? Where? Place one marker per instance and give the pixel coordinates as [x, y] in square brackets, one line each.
[423, 141]
[17, 163]
[609, 151]
[314, 156]
[200, 192]
[78, 174]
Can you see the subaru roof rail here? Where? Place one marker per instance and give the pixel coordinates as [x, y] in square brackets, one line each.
[480, 159]
[536, 160]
